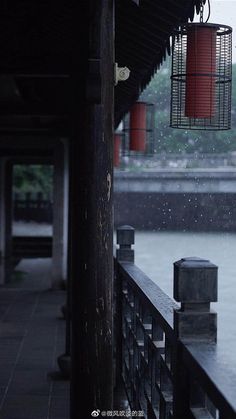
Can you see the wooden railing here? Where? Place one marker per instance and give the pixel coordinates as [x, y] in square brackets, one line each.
[166, 352]
[32, 207]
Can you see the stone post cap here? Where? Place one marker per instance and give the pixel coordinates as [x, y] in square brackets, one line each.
[195, 280]
[125, 235]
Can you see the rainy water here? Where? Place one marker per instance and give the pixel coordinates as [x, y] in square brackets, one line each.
[155, 253]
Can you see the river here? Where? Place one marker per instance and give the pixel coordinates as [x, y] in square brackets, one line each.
[155, 253]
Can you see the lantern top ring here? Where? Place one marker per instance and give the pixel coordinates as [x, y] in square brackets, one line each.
[221, 29]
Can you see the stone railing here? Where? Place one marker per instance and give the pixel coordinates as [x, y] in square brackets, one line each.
[179, 160]
[166, 352]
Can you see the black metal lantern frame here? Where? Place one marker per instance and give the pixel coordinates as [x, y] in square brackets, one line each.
[150, 146]
[221, 77]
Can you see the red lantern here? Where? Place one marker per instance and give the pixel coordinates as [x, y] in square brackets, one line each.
[201, 76]
[201, 71]
[117, 144]
[138, 129]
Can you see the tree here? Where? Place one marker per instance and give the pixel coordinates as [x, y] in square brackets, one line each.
[33, 178]
[171, 140]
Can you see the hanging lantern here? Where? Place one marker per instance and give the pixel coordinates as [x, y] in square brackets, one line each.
[138, 126]
[117, 145]
[201, 77]
[200, 72]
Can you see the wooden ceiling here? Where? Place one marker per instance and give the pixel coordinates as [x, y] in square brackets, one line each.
[143, 40]
[36, 47]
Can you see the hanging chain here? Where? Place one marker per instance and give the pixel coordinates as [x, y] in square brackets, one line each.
[201, 12]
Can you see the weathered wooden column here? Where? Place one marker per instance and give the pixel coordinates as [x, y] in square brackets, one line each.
[60, 215]
[5, 219]
[195, 286]
[64, 360]
[91, 203]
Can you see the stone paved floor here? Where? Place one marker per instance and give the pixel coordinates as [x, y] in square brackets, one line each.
[31, 338]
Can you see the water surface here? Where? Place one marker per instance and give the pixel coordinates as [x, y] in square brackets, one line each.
[155, 253]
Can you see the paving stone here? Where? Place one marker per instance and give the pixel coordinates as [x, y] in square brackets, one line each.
[32, 335]
[59, 408]
[22, 407]
[29, 382]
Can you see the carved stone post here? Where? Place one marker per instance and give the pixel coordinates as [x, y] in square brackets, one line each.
[195, 287]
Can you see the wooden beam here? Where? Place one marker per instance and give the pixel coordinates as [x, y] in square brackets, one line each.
[48, 67]
[22, 131]
[33, 110]
[27, 158]
[31, 75]
[46, 144]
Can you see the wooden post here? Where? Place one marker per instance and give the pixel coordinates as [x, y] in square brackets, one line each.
[91, 203]
[195, 286]
[64, 360]
[60, 225]
[6, 216]
[125, 238]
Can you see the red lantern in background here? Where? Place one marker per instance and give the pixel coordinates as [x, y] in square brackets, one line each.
[200, 101]
[117, 145]
[138, 127]
[138, 130]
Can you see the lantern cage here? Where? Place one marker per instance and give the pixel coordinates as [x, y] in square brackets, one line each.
[138, 131]
[201, 77]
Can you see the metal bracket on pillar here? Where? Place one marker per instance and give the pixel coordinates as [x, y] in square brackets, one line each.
[121, 73]
[94, 81]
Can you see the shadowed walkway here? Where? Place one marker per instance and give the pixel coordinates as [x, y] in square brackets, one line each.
[31, 337]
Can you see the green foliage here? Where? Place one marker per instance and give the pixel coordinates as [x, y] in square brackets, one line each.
[33, 178]
[177, 140]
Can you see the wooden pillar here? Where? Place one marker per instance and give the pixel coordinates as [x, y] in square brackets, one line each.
[60, 215]
[91, 211]
[5, 219]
